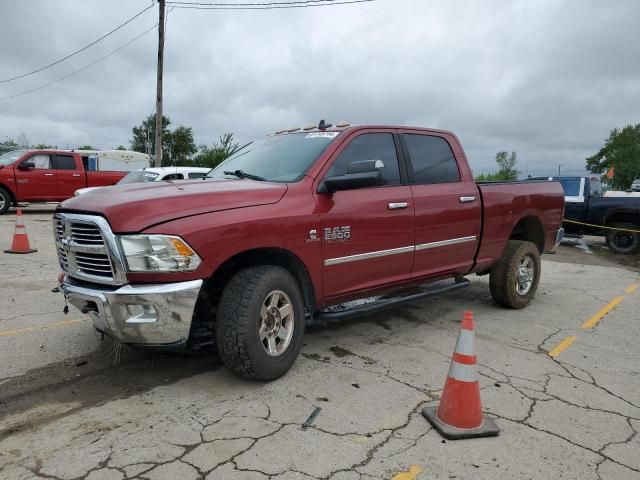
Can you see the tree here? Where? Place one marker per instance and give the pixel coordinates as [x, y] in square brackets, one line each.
[221, 150]
[86, 147]
[507, 171]
[178, 146]
[144, 135]
[121, 147]
[43, 146]
[507, 165]
[621, 155]
[182, 146]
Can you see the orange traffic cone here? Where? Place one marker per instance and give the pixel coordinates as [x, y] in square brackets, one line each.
[20, 242]
[459, 414]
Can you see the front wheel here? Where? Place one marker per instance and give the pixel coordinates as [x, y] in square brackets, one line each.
[624, 241]
[5, 200]
[260, 322]
[514, 279]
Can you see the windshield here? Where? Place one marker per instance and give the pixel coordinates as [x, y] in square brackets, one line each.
[571, 186]
[10, 157]
[279, 158]
[138, 176]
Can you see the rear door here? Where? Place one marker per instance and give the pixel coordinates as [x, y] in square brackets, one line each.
[38, 183]
[70, 177]
[367, 233]
[447, 206]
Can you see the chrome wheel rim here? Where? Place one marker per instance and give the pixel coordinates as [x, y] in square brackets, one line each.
[524, 275]
[276, 323]
[3, 201]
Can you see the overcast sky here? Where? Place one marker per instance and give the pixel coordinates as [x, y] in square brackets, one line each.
[546, 78]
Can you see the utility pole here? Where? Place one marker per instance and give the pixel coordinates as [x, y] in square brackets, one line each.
[158, 140]
[559, 167]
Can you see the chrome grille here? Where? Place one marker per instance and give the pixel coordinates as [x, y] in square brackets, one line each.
[82, 250]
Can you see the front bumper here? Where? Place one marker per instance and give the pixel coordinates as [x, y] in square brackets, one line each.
[152, 315]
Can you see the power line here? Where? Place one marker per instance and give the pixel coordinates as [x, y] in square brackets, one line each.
[246, 4]
[77, 51]
[83, 68]
[265, 6]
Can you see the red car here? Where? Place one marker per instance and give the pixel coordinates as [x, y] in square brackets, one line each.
[293, 228]
[46, 176]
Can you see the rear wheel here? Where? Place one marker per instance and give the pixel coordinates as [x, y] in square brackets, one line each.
[5, 201]
[514, 279]
[260, 322]
[621, 241]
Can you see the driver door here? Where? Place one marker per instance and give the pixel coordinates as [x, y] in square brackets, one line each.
[38, 183]
[366, 233]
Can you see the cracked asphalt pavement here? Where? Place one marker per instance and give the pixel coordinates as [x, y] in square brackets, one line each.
[72, 407]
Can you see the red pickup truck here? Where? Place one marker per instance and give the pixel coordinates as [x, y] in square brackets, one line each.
[46, 176]
[303, 225]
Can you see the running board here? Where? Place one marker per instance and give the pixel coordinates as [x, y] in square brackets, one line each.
[375, 304]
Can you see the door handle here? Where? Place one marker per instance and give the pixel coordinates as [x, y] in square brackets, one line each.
[49, 174]
[76, 174]
[468, 199]
[397, 205]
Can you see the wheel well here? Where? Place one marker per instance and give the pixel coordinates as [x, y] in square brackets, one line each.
[530, 229]
[202, 329]
[623, 216]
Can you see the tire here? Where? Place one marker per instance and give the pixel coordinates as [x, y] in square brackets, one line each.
[507, 288]
[623, 242]
[5, 200]
[241, 317]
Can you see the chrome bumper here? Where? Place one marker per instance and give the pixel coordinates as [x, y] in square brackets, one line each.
[153, 315]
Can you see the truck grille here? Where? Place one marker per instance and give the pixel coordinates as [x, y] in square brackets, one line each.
[82, 252]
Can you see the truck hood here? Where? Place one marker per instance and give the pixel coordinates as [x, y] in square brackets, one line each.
[132, 208]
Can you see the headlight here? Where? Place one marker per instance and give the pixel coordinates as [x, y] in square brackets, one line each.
[158, 253]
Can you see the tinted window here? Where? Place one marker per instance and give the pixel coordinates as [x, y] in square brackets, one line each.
[596, 188]
[173, 176]
[432, 159]
[196, 174]
[40, 161]
[370, 146]
[64, 162]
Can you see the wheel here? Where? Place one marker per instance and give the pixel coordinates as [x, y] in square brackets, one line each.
[514, 279]
[5, 201]
[624, 242]
[260, 322]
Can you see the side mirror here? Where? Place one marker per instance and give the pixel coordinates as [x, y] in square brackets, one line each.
[27, 165]
[360, 174]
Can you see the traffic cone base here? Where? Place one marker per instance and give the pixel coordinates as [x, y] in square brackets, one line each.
[20, 243]
[459, 414]
[488, 428]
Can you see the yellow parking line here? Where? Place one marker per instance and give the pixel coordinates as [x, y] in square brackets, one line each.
[18, 331]
[411, 474]
[593, 321]
[562, 346]
[632, 288]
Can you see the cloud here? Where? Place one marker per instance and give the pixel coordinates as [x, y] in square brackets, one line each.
[547, 79]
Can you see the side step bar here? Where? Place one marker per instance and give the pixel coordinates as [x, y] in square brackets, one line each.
[343, 312]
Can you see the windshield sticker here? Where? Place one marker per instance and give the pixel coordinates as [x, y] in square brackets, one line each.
[322, 135]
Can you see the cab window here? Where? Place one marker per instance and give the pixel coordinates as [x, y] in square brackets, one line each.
[432, 159]
[370, 146]
[64, 162]
[41, 162]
